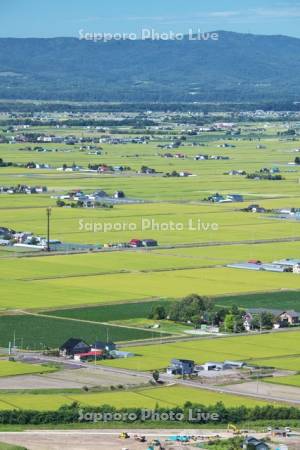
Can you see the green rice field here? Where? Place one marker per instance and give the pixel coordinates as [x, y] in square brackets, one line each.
[10, 368]
[147, 398]
[267, 349]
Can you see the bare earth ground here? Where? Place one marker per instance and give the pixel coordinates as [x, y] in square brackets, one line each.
[70, 378]
[109, 440]
[92, 440]
[274, 392]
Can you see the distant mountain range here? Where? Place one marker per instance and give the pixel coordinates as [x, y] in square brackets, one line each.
[237, 67]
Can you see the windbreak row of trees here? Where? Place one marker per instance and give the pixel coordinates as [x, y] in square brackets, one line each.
[190, 413]
[196, 310]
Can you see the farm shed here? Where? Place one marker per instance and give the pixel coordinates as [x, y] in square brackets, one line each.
[104, 346]
[89, 355]
[120, 354]
[149, 243]
[73, 346]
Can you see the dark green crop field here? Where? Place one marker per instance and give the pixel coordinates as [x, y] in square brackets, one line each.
[34, 332]
[108, 313]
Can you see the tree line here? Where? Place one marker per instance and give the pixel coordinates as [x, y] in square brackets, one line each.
[188, 414]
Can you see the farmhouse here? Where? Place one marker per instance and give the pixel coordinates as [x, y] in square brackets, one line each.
[149, 243]
[200, 157]
[119, 194]
[289, 318]
[181, 367]
[185, 174]
[235, 197]
[247, 321]
[73, 346]
[136, 243]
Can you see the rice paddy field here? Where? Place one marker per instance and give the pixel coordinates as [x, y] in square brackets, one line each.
[147, 398]
[77, 280]
[45, 299]
[10, 368]
[293, 380]
[273, 350]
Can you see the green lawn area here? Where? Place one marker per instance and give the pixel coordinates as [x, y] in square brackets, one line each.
[244, 348]
[144, 398]
[10, 368]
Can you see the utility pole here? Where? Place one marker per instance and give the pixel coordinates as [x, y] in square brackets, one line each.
[48, 210]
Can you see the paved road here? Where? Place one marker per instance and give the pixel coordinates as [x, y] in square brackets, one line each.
[188, 383]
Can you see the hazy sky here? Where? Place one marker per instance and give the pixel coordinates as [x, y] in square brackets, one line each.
[48, 18]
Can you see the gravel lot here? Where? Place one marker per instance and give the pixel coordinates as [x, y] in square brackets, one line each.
[109, 440]
[93, 439]
[268, 390]
[70, 378]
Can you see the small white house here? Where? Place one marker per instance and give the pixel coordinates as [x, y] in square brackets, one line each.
[296, 269]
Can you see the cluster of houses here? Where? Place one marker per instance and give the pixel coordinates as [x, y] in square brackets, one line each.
[200, 157]
[79, 350]
[134, 243]
[123, 141]
[173, 155]
[282, 319]
[283, 265]
[90, 200]
[218, 126]
[213, 157]
[72, 140]
[28, 240]
[40, 149]
[226, 145]
[255, 208]
[188, 367]
[43, 138]
[236, 173]
[283, 213]
[229, 198]
[22, 189]
[9, 237]
[288, 213]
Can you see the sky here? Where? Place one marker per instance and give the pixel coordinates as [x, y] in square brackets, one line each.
[51, 18]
